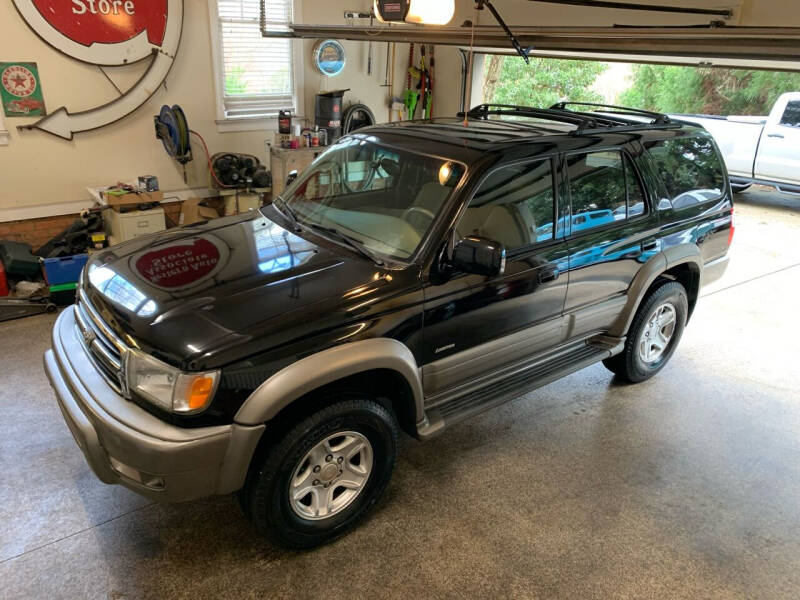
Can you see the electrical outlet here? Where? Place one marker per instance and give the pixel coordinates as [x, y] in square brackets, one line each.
[356, 14]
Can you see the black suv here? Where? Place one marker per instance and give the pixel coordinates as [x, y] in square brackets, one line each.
[417, 274]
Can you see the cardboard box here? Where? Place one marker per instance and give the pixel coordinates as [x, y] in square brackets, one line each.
[193, 211]
[121, 201]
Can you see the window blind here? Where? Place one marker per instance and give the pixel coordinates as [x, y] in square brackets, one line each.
[257, 72]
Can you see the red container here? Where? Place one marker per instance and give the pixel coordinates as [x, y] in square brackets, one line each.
[4, 291]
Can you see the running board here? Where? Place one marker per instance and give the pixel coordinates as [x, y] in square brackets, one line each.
[512, 385]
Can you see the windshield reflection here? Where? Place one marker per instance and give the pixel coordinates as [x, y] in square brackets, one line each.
[278, 249]
[384, 198]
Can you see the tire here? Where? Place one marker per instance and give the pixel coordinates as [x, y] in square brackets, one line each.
[291, 460]
[738, 188]
[632, 364]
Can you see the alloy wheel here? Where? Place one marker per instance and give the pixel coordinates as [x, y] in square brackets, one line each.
[331, 475]
[657, 333]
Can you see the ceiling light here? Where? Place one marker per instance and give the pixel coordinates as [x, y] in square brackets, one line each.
[426, 12]
[444, 173]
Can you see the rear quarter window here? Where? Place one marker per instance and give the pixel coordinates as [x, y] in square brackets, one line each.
[791, 116]
[690, 169]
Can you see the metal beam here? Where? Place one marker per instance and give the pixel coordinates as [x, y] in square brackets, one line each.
[725, 13]
[762, 43]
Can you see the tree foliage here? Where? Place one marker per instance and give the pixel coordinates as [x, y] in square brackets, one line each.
[542, 83]
[694, 90]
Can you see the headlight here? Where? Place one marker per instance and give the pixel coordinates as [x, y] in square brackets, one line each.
[168, 387]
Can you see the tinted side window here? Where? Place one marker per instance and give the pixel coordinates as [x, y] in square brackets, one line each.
[791, 116]
[690, 169]
[514, 206]
[598, 189]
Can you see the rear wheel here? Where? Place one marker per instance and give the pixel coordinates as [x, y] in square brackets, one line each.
[324, 474]
[654, 334]
[738, 188]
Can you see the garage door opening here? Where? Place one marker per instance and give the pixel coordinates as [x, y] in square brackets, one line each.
[661, 88]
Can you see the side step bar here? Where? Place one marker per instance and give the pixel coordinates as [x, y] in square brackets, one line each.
[511, 384]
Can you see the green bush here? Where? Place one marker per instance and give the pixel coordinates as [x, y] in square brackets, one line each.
[542, 83]
[693, 90]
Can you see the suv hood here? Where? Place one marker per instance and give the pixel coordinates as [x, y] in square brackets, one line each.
[206, 295]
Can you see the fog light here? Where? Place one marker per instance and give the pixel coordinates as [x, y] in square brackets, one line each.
[153, 482]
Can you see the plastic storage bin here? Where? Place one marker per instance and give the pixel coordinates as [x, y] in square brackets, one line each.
[65, 269]
[64, 294]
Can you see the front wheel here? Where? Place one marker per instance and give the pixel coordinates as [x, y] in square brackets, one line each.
[324, 474]
[654, 334]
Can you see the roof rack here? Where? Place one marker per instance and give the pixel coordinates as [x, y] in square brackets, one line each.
[658, 118]
[585, 122]
[482, 111]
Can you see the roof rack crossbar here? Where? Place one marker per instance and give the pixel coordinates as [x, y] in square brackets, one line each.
[609, 119]
[601, 121]
[658, 118]
[482, 111]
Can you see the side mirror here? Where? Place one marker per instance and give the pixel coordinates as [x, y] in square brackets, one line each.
[391, 167]
[291, 177]
[479, 256]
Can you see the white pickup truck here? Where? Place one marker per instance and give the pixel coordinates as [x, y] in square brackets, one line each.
[764, 150]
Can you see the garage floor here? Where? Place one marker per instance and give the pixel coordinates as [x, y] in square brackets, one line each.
[685, 486]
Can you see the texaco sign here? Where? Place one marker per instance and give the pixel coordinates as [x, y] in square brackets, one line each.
[107, 33]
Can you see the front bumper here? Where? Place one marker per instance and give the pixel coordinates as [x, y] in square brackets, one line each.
[125, 444]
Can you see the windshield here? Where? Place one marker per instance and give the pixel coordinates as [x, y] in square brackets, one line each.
[383, 198]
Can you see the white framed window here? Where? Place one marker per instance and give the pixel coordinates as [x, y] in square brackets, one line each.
[256, 76]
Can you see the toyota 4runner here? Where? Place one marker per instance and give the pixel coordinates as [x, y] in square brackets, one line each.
[415, 275]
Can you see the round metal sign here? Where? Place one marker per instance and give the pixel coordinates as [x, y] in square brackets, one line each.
[329, 57]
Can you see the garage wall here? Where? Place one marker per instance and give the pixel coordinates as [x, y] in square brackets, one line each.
[42, 175]
[366, 90]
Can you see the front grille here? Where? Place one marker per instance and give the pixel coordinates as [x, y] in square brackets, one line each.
[105, 349]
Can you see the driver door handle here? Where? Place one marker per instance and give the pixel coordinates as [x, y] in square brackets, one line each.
[649, 245]
[548, 274]
[775, 135]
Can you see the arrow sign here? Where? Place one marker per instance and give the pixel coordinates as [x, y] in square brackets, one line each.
[109, 33]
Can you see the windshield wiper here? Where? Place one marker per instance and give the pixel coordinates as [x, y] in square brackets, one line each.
[348, 241]
[289, 213]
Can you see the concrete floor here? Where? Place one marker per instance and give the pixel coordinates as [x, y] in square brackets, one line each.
[687, 486]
